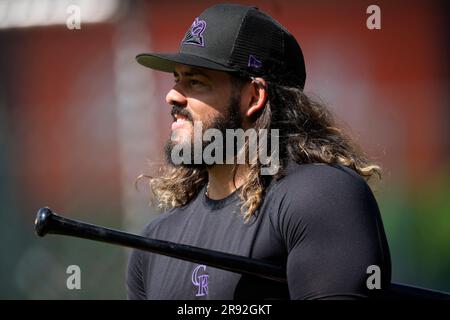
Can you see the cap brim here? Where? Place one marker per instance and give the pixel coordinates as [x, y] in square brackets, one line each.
[167, 61]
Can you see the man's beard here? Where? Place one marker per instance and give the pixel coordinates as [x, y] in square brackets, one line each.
[232, 120]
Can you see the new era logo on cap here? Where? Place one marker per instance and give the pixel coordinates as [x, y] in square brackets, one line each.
[236, 38]
[253, 62]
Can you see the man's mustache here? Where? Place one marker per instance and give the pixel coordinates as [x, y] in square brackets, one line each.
[179, 110]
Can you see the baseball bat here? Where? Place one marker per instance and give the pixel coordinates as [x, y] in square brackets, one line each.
[48, 222]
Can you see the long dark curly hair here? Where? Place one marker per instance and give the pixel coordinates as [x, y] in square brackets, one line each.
[308, 133]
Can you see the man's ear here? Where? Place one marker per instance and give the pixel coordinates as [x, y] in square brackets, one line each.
[258, 94]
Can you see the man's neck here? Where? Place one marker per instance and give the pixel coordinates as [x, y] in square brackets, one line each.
[224, 180]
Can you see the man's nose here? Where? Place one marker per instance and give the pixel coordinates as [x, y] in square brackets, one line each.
[175, 97]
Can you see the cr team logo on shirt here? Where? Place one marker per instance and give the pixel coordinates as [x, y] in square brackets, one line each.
[200, 280]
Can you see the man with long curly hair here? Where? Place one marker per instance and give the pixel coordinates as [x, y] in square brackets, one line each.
[239, 69]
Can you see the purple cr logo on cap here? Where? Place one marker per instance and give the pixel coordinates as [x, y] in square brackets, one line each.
[194, 35]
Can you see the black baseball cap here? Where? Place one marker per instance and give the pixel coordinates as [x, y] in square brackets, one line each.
[239, 39]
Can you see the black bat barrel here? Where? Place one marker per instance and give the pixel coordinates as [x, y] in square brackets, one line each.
[49, 222]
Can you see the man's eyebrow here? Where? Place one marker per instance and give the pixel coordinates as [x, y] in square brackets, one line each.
[192, 72]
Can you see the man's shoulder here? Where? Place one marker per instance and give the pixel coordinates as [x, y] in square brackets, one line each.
[318, 174]
[307, 189]
[318, 197]
[319, 177]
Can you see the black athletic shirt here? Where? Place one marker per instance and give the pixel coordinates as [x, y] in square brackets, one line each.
[320, 221]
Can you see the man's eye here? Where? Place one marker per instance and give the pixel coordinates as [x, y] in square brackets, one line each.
[195, 83]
